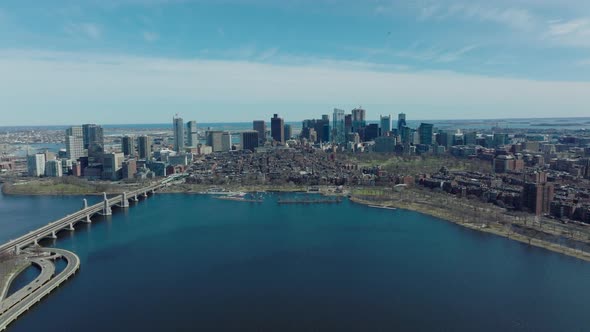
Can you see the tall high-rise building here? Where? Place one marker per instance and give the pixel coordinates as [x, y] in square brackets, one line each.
[93, 137]
[74, 147]
[260, 127]
[36, 164]
[425, 132]
[178, 125]
[348, 123]
[128, 145]
[401, 122]
[338, 134]
[192, 138]
[249, 140]
[277, 129]
[145, 147]
[215, 140]
[75, 131]
[288, 132]
[226, 141]
[358, 119]
[385, 124]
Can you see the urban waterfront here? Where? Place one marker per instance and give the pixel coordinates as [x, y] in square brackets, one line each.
[186, 262]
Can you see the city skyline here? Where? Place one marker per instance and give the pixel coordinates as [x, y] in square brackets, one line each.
[120, 61]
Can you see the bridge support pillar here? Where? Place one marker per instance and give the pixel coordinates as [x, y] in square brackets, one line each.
[36, 243]
[71, 227]
[153, 191]
[145, 194]
[85, 203]
[106, 210]
[17, 250]
[124, 201]
[53, 235]
[88, 221]
[135, 198]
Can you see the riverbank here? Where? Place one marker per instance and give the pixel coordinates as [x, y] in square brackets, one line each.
[486, 226]
[60, 187]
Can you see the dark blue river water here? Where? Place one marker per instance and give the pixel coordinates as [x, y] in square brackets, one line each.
[190, 262]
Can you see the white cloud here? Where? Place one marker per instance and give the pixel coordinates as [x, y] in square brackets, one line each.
[574, 32]
[87, 85]
[90, 30]
[150, 36]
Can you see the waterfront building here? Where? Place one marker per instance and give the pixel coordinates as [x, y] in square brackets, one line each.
[75, 147]
[36, 164]
[53, 169]
[425, 132]
[277, 129]
[178, 128]
[385, 122]
[401, 122]
[128, 145]
[145, 147]
[129, 169]
[112, 164]
[226, 144]
[250, 140]
[260, 127]
[192, 137]
[338, 128]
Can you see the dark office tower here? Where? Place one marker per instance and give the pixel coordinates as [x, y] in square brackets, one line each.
[288, 131]
[470, 138]
[371, 132]
[425, 132]
[260, 127]
[145, 147]
[249, 140]
[358, 119]
[277, 129]
[128, 146]
[406, 134]
[401, 121]
[192, 139]
[385, 124]
[348, 123]
[93, 138]
[178, 134]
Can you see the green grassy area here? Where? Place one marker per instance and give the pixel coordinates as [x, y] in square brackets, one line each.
[417, 164]
[54, 187]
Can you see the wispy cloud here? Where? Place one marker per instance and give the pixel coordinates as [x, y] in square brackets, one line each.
[516, 18]
[574, 32]
[141, 85]
[150, 36]
[90, 30]
[429, 54]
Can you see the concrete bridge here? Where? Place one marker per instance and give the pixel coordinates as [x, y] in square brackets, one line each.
[84, 215]
[24, 299]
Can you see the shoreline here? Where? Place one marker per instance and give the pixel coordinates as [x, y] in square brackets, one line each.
[443, 214]
[490, 230]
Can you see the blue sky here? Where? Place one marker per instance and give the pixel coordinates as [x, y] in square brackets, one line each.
[130, 61]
